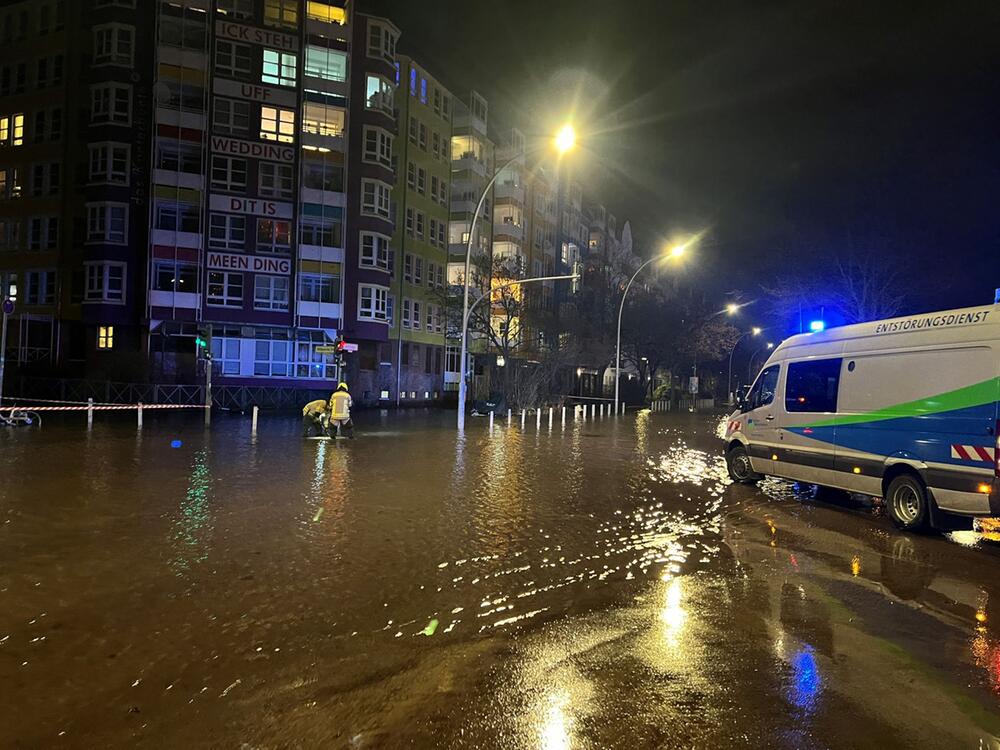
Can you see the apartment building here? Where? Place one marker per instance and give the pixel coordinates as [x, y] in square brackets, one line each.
[75, 92]
[422, 199]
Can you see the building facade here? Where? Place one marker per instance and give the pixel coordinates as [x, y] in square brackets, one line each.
[420, 243]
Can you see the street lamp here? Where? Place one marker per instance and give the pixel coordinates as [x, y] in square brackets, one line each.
[564, 141]
[675, 252]
[753, 356]
[755, 331]
[732, 308]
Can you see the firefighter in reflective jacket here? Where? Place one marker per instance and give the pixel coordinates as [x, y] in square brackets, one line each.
[340, 410]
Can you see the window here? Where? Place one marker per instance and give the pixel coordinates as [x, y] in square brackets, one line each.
[325, 232]
[229, 173]
[275, 180]
[381, 41]
[322, 174]
[183, 31]
[374, 251]
[375, 198]
[175, 277]
[42, 76]
[423, 91]
[236, 9]
[419, 229]
[421, 180]
[109, 163]
[407, 317]
[43, 233]
[279, 68]
[225, 355]
[452, 358]
[227, 231]
[422, 139]
[232, 117]
[277, 124]
[270, 292]
[111, 103]
[321, 11]
[273, 235]
[182, 95]
[55, 127]
[812, 386]
[390, 309]
[378, 146]
[12, 130]
[441, 239]
[105, 282]
[409, 221]
[372, 302]
[281, 12]
[763, 390]
[40, 287]
[178, 156]
[225, 289]
[322, 119]
[319, 287]
[232, 58]
[328, 64]
[107, 222]
[113, 44]
[415, 314]
[177, 217]
[272, 358]
[413, 130]
[408, 268]
[378, 94]
[105, 337]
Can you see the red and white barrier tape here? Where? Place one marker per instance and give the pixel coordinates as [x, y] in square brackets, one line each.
[95, 407]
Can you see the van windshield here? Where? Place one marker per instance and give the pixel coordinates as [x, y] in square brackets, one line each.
[763, 390]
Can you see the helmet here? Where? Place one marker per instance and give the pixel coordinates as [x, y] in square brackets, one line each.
[342, 386]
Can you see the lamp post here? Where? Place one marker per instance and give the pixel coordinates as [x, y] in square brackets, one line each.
[564, 141]
[755, 331]
[753, 356]
[674, 252]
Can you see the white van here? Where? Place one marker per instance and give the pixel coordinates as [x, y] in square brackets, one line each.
[906, 409]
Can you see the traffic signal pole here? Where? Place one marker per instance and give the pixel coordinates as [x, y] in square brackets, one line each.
[208, 374]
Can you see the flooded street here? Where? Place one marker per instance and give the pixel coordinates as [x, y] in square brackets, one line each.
[601, 585]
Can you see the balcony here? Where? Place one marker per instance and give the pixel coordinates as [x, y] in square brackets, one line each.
[508, 191]
[186, 300]
[322, 254]
[185, 58]
[509, 229]
[187, 180]
[318, 309]
[468, 163]
[179, 119]
[324, 142]
[328, 30]
[323, 197]
[169, 238]
[325, 85]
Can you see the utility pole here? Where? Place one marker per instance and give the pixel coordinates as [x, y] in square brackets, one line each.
[204, 346]
[8, 308]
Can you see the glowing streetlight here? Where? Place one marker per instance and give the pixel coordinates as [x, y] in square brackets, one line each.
[732, 308]
[565, 138]
[755, 330]
[675, 251]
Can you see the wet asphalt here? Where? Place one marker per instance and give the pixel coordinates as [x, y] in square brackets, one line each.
[598, 585]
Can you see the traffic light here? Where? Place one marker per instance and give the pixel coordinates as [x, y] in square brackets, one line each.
[203, 343]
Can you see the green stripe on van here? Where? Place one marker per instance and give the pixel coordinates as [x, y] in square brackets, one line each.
[973, 395]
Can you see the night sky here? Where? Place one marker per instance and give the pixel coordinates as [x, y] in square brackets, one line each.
[792, 130]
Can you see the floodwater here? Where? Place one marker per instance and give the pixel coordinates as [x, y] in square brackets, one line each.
[600, 585]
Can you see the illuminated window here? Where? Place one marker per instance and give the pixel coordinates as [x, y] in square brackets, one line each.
[12, 130]
[378, 94]
[273, 235]
[322, 120]
[325, 12]
[281, 12]
[277, 124]
[328, 64]
[106, 337]
[279, 68]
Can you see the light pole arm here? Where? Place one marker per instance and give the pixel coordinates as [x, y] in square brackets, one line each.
[618, 345]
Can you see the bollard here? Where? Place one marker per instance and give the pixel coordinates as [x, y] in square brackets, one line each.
[564, 416]
[623, 407]
[602, 411]
[550, 417]
[491, 421]
[253, 421]
[90, 413]
[538, 419]
[508, 417]
[593, 410]
[138, 417]
[523, 412]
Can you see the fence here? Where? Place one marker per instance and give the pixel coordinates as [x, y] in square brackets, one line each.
[230, 397]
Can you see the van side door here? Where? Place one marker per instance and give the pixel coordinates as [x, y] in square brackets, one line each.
[807, 453]
[760, 419]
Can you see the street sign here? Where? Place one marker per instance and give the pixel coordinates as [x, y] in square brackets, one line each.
[345, 347]
[326, 349]
[693, 385]
[8, 306]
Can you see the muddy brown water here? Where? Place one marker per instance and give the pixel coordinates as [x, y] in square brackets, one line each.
[601, 585]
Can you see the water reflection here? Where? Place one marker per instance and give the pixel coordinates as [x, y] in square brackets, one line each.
[193, 522]
[806, 681]
[555, 729]
[673, 614]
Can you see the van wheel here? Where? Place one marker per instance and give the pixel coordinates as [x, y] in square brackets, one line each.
[738, 463]
[907, 504]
